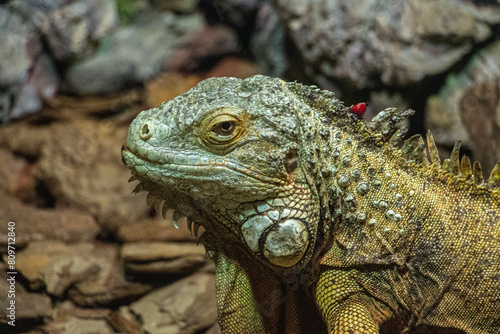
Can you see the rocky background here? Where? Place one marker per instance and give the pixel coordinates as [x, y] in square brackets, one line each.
[74, 73]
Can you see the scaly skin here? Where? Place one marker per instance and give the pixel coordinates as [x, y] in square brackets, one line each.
[312, 213]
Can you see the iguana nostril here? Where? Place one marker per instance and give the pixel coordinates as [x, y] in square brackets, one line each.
[146, 132]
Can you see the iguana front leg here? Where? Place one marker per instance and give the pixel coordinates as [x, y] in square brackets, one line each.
[343, 304]
[244, 306]
[237, 309]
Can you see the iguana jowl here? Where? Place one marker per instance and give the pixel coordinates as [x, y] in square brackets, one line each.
[318, 220]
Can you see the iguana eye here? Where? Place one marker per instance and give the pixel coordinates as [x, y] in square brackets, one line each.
[225, 128]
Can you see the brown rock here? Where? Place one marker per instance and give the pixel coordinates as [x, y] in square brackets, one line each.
[215, 329]
[467, 108]
[186, 306]
[211, 42]
[108, 285]
[163, 257]
[56, 266]
[32, 223]
[81, 166]
[124, 321]
[65, 107]
[154, 229]
[28, 306]
[79, 163]
[24, 140]
[16, 176]
[480, 112]
[71, 319]
[167, 86]
[104, 292]
[234, 67]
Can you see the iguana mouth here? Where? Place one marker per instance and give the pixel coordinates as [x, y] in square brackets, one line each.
[194, 166]
[194, 224]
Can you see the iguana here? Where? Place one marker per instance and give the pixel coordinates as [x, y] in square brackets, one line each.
[319, 221]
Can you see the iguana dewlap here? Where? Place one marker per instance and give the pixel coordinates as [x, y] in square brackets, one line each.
[318, 220]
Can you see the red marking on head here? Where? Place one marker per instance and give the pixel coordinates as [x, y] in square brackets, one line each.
[359, 109]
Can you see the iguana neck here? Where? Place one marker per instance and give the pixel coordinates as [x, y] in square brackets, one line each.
[371, 200]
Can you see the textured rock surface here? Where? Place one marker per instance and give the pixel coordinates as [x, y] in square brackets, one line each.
[67, 225]
[181, 6]
[155, 229]
[84, 171]
[364, 42]
[55, 266]
[179, 308]
[70, 319]
[27, 74]
[16, 176]
[71, 30]
[161, 257]
[131, 54]
[467, 108]
[211, 42]
[29, 306]
[41, 36]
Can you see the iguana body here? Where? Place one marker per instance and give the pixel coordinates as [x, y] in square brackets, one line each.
[312, 213]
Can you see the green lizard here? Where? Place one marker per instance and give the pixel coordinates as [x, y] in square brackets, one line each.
[318, 220]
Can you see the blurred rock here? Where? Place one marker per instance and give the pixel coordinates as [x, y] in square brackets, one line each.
[14, 35]
[132, 53]
[234, 67]
[108, 286]
[186, 306]
[33, 223]
[124, 321]
[239, 14]
[16, 176]
[467, 107]
[81, 166]
[362, 43]
[167, 86]
[215, 329]
[44, 34]
[23, 140]
[154, 229]
[380, 100]
[204, 47]
[268, 42]
[71, 30]
[44, 78]
[36, 11]
[78, 165]
[163, 257]
[27, 74]
[71, 319]
[178, 6]
[29, 306]
[68, 107]
[55, 266]
[480, 112]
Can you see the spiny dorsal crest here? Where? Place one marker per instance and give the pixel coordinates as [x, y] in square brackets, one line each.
[414, 149]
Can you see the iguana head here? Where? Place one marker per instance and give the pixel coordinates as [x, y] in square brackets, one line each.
[230, 155]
